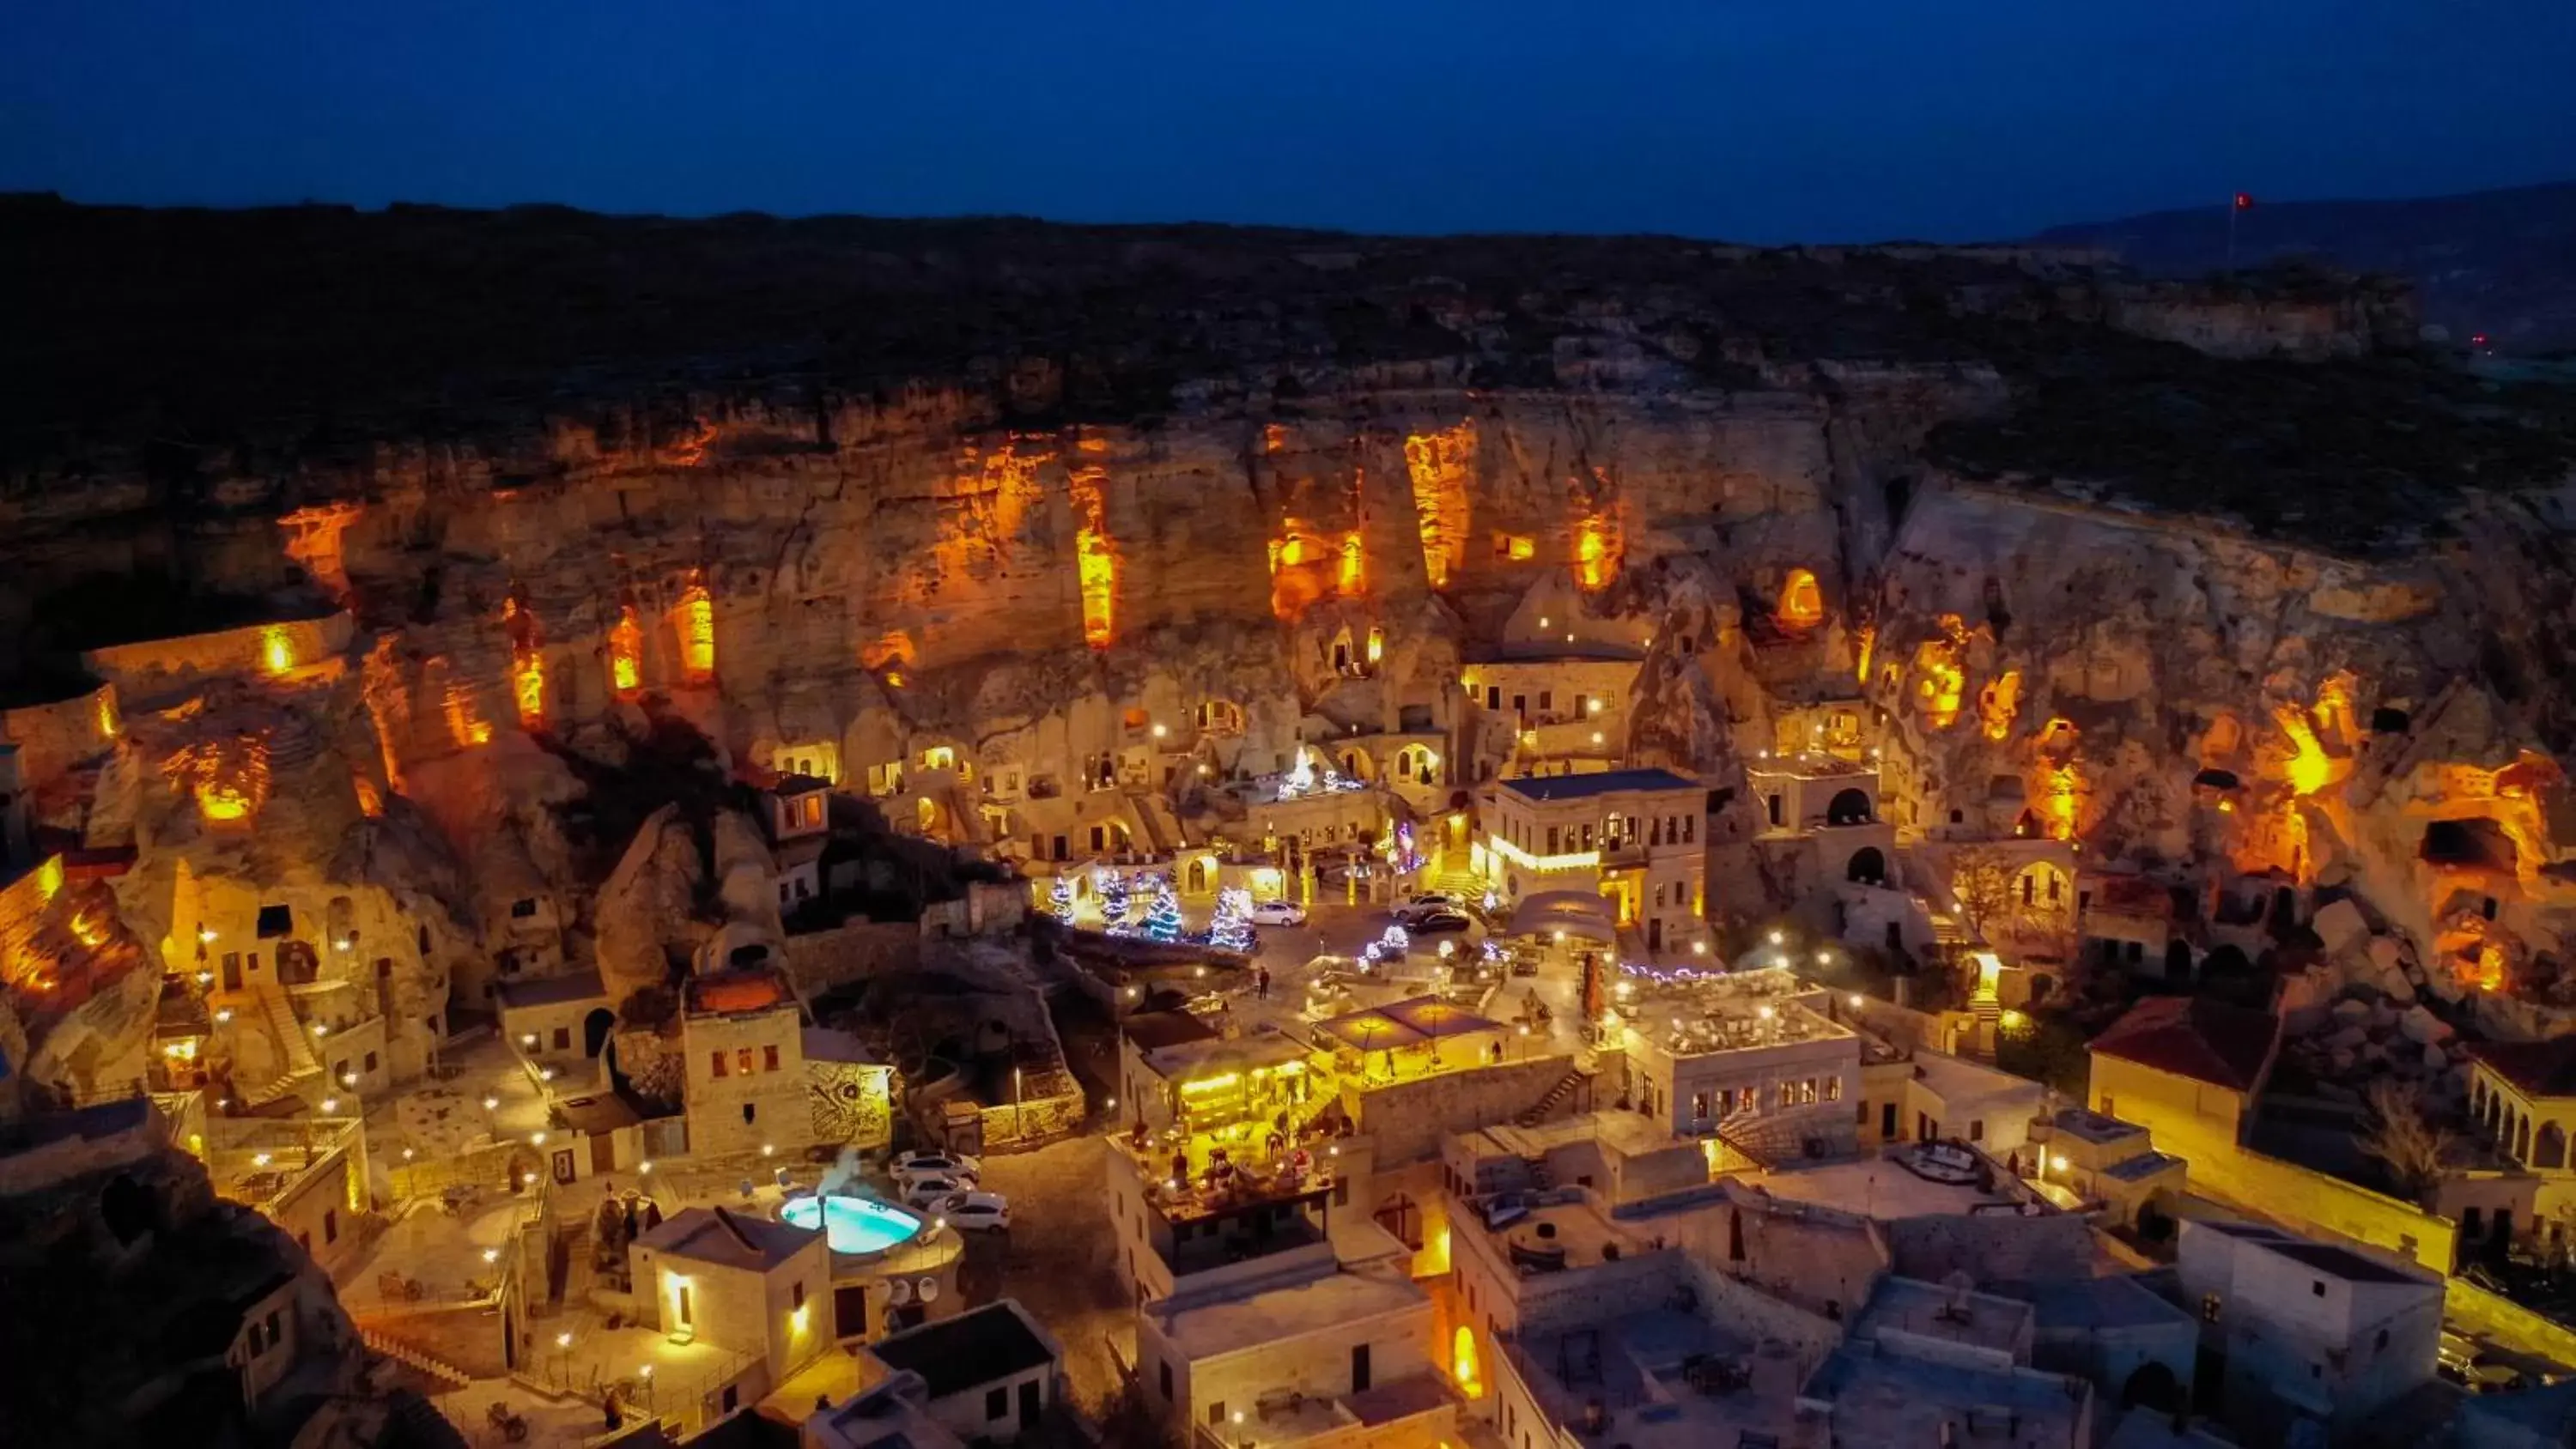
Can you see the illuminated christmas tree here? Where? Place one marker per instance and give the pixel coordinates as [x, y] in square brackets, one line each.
[1231, 929]
[1060, 899]
[1113, 900]
[1163, 917]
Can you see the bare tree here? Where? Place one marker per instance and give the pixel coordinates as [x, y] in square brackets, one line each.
[2404, 1137]
[1981, 881]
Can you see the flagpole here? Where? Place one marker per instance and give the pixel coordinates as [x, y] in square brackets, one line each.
[2234, 205]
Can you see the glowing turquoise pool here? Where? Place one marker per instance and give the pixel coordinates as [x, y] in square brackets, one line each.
[851, 1224]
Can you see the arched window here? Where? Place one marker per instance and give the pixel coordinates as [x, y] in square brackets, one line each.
[2549, 1147]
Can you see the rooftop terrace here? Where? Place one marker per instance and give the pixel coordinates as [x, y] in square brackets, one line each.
[1693, 1013]
[1878, 1397]
[1663, 1379]
[1956, 1316]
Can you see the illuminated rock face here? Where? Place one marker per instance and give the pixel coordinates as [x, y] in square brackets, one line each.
[1230, 511]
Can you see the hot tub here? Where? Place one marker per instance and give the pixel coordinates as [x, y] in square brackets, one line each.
[854, 1226]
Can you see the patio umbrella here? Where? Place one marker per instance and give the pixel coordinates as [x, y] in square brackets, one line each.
[1434, 1016]
[1368, 1027]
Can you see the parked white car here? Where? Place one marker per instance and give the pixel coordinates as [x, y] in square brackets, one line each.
[977, 1212]
[927, 1193]
[914, 1166]
[1278, 913]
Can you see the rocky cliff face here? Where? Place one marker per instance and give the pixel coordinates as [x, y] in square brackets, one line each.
[875, 488]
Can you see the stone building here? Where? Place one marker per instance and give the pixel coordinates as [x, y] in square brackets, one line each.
[1633, 836]
[743, 1050]
[2305, 1329]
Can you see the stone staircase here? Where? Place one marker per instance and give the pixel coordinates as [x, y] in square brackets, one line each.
[1771, 1139]
[294, 1048]
[1546, 1106]
[436, 1369]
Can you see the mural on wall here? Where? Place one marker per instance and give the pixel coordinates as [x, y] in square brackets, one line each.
[853, 1103]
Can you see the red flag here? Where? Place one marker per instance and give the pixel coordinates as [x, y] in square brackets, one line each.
[2244, 201]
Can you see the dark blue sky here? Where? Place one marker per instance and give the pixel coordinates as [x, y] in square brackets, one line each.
[1761, 120]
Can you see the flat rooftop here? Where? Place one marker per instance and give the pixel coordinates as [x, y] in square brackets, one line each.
[978, 1346]
[1631, 1133]
[1883, 1398]
[1558, 1237]
[2113, 1300]
[2093, 1127]
[2346, 1263]
[1688, 1027]
[1218, 1325]
[1957, 1079]
[1929, 1310]
[1551, 789]
[550, 991]
[1875, 1187]
[1669, 1380]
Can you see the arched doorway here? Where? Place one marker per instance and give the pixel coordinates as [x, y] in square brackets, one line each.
[1462, 1362]
[1198, 876]
[296, 964]
[1848, 807]
[1868, 866]
[2153, 1387]
[595, 1029]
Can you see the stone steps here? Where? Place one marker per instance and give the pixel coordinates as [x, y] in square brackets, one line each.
[1555, 1097]
[294, 1047]
[427, 1365]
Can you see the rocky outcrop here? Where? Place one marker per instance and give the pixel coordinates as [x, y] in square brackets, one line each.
[939, 503]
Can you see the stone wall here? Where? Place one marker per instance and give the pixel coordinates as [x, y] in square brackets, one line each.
[1990, 1248]
[1758, 1315]
[52, 737]
[139, 670]
[855, 950]
[1410, 1118]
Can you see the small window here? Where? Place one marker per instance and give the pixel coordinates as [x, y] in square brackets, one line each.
[371, 1061]
[275, 921]
[2209, 1308]
[742, 1060]
[330, 1225]
[2317, 1288]
[1166, 1375]
[523, 908]
[1216, 1412]
[717, 1060]
[997, 1404]
[563, 1038]
[750, 1113]
[796, 1296]
[769, 1059]
[1977, 1130]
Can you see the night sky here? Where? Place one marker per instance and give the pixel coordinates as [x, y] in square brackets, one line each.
[1757, 120]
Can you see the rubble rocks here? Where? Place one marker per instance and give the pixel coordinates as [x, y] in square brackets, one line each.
[2423, 1027]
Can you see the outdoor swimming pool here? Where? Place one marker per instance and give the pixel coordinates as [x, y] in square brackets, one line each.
[851, 1224]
